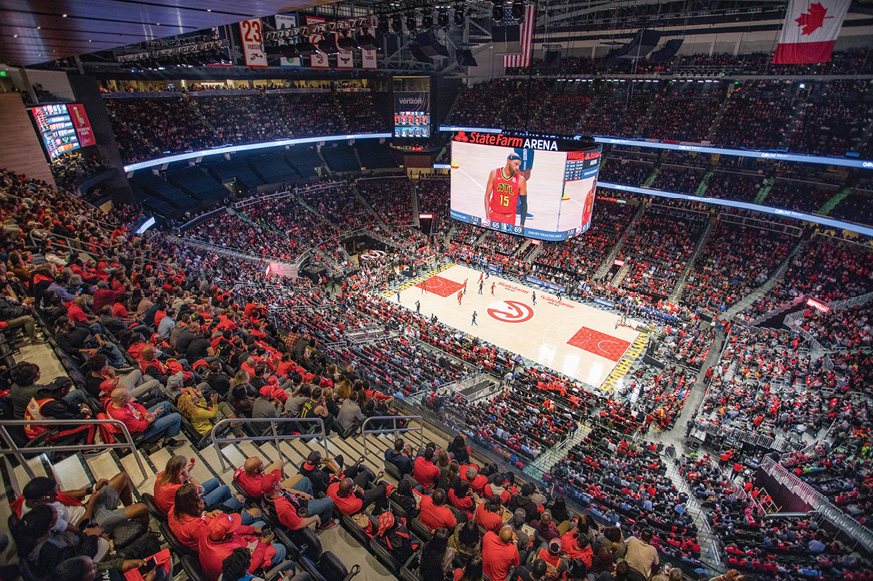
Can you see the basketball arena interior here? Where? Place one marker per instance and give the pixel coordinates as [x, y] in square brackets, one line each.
[504, 290]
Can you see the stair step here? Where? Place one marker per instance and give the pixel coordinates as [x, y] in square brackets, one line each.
[132, 469]
[36, 465]
[103, 466]
[71, 473]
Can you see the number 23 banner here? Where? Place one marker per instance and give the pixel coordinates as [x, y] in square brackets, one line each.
[251, 32]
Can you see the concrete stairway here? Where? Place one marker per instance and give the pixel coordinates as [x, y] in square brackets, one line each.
[749, 299]
[680, 284]
[613, 252]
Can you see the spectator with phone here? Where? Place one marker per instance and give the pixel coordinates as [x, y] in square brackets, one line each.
[113, 568]
[224, 535]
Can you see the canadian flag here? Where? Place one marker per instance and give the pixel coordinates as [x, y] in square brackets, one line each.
[810, 31]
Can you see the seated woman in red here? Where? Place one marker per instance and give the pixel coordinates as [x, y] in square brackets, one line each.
[188, 518]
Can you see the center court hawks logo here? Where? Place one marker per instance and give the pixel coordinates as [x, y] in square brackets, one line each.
[510, 312]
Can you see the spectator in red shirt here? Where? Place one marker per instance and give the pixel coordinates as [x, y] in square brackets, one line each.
[103, 296]
[488, 514]
[460, 498]
[223, 535]
[250, 478]
[426, 472]
[152, 425]
[434, 512]
[188, 518]
[217, 496]
[318, 511]
[499, 554]
[349, 499]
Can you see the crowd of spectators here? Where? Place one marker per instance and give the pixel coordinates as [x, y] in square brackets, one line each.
[71, 169]
[659, 248]
[730, 265]
[149, 127]
[756, 115]
[166, 337]
[826, 269]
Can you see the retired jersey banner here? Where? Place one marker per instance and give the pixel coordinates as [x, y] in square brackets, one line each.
[317, 60]
[251, 32]
[345, 59]
[368, 57]
[284, 21]
[810, 31]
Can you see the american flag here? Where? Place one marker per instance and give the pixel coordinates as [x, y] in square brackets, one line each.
[527, 32]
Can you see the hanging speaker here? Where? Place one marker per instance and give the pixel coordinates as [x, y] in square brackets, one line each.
[430, 46]
[465, 58]
[419, 54]
[368, 42]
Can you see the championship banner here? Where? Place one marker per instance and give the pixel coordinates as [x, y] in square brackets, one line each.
[317, 60]
[284, 21]
[81, 125]
[345, 59]
[810, 31]
[251, 32]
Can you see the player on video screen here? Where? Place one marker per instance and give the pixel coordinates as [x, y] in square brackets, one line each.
[527, 158]
[506, 186]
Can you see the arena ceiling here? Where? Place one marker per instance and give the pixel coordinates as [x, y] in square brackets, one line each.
[36, 31]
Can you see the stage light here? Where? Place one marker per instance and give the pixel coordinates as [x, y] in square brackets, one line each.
[410, 23]
[517, 10]
[427, 21]
[459, 16]
[396, 25]
[497, 12]
[443, 19]
[384, 27]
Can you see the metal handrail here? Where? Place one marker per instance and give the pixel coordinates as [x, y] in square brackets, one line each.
[18, 452]
[275, 437]
[394, 430]
[851, 527]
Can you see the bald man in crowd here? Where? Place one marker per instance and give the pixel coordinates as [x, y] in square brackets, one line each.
[153, 425]
[499, 553]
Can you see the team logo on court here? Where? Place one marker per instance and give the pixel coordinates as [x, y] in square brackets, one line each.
[373, 255]
[510, 312]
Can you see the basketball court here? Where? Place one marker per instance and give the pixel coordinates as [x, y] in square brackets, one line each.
[577, 340]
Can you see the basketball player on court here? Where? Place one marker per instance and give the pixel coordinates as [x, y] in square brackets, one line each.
[506, 186]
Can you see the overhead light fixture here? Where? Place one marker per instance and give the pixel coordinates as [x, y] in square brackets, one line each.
[427, 20]
[384, 27]
[306, 48]
[289, 51]
[397, 25]
[410, 23]
[63, 15]
[498, 12]
[517, 10]
[348, 43]
[367, 41]
[459, 16]
[327, 45]
[443, 19]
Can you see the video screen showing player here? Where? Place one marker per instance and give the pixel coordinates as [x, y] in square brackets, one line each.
[506, 193]
[497, 187]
